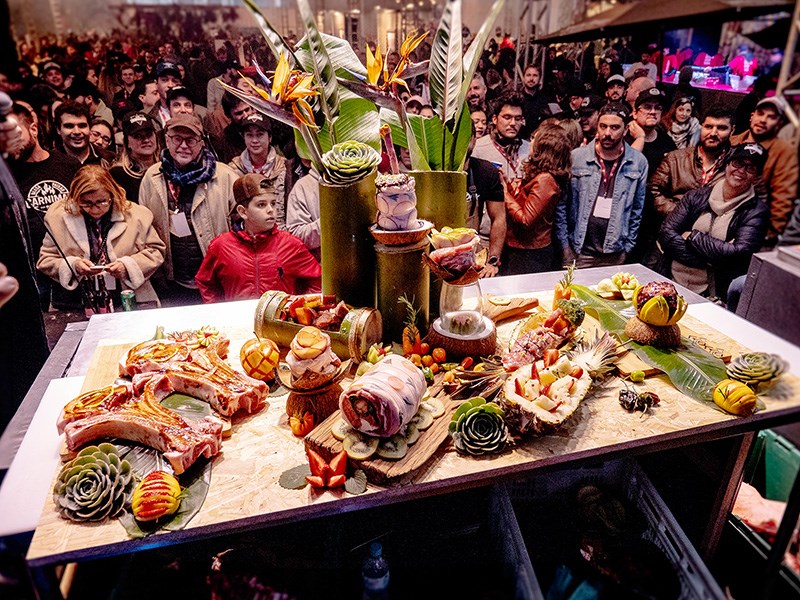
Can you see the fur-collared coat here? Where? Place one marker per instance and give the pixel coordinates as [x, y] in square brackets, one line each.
[132, 240]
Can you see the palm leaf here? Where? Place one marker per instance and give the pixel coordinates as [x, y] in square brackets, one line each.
[274, 39]
[429, 134]
[322, 67]
[358, 120]
[691, 369]
[446, 73]
[457, 143]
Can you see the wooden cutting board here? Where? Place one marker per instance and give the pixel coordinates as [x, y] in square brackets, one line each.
[500, 308]
[378, 470]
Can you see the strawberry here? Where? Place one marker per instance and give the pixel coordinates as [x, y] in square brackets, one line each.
[316, 481]
[576, 372]
[550, 357]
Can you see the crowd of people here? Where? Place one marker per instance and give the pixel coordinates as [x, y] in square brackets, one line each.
[138, 171]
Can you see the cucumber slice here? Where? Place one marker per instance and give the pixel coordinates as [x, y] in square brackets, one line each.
[423, 419]
[340, 429]
[393, 448]
[412, 433]
[434, 405]
[358, 446]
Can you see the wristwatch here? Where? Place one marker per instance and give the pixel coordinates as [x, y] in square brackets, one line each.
[493, 261]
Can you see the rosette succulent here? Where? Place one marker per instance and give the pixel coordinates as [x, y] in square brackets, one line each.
[754, 368]
[349, 162]
[94, 485]
[658, 303]
[479, 427]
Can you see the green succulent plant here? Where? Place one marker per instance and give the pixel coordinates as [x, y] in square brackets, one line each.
[754, 368]
[478, 427]
[349, 162]
[94, 485]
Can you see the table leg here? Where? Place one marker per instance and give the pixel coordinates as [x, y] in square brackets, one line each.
[46, 584]
[731, 478]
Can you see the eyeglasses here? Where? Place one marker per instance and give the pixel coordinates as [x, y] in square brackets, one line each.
[747, 167]
[190, 142]
[100, 136]
[98, 204]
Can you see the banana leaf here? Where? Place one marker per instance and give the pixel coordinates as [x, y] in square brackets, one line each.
[194, 489]
[446, 72]
[342, 56]
[187, 406]
[322, 66]
[692, 370]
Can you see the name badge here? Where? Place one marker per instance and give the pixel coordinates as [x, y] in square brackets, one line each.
[602, 208]
[110, 281]
[178, 225]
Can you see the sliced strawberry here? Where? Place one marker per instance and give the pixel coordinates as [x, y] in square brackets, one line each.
[339, 463]
[546, 390]
[319, 465]
[550, 357]
[316, 481]
[336, 481]
[518, 387]
[576, 372]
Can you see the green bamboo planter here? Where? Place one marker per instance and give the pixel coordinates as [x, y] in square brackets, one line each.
[442, 197]
[401, 271]
[442, 200]
[348, 253]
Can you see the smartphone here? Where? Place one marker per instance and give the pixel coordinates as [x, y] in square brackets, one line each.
[97, 268]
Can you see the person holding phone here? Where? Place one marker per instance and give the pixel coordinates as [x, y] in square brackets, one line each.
[97, 232]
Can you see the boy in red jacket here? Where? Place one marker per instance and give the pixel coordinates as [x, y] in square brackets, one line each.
[256, 256]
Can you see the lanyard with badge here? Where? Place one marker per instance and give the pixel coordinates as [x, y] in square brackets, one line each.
[602, 207]
[178, 224]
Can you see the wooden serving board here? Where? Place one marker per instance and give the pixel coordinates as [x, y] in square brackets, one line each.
[514, 308]
[378, 470]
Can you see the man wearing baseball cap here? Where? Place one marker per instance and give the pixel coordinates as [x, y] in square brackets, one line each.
[256, 256]
[615, 88]
[779, 176]
[167, 76]
[191, 196]
[53, 75]
[645, 135]
[713, 232]
[598, 223]
[259, 156]
[588, 113]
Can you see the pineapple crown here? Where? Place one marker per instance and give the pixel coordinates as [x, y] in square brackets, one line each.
[597, 356]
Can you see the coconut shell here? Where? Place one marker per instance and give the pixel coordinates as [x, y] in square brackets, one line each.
[321, 405]
[668, 336]
[471, 275]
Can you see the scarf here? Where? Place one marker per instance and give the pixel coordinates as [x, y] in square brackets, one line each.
[682, 133]
[266, 168]
[714, 223]
[199, 171]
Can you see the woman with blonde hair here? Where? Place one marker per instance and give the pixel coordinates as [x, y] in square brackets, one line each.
[531, 204]
[140, 151]
[100, 239]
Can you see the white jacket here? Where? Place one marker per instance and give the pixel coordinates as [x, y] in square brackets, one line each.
[302, 212]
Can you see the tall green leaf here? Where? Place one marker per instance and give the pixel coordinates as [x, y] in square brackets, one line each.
[690, 368]
[358, 120]
[404, 137]
[429, 133]
[446, 73]
[458, 142]
[341, 54]
[323, 68]
[274, 39]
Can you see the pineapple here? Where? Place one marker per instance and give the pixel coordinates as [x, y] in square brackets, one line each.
[539, 400]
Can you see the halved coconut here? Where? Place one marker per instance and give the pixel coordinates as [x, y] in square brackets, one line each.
[533, 408]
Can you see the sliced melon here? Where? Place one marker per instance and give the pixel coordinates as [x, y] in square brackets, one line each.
[538, 414]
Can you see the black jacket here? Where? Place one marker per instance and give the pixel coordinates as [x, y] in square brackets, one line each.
[727, 258]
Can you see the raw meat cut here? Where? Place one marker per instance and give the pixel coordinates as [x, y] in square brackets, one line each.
[114, 411]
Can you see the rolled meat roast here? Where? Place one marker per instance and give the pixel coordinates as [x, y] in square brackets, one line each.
[383, 400]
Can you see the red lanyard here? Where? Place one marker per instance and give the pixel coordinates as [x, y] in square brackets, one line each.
[512, 163]
[175, 194]
[607, 177]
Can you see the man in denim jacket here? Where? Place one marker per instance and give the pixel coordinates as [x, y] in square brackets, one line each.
[598, 221]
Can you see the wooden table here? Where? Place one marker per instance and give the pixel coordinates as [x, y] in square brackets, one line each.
[235, 503]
